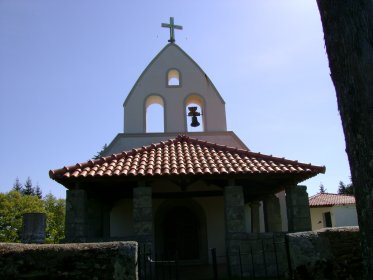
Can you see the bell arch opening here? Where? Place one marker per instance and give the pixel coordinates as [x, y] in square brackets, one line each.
[173, 78]
[154, 114]
[194, 107]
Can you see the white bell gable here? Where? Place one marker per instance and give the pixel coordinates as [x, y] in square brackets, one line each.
[174, 81]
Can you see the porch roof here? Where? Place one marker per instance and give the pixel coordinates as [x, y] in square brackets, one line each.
[184, 155]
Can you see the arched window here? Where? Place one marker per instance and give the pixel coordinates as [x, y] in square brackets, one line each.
[190, 102]
[154, 108]
[173, 78]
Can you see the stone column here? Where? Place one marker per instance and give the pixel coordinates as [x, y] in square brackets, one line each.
[143, 214]
[234, 224]
[33, 230]
[272, 214]
[76, 218]
[298, 208]
[255, 217]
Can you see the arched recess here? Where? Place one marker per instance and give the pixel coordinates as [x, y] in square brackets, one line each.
[173, 78]
[195, 100]
[181, 224]
[154, 114]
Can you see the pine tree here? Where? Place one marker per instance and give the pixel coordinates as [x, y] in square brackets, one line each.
[341, 188]
[38, 192]
[322, 189]
[17, 186]
[100, 153]
[345, 189]
[28, 189]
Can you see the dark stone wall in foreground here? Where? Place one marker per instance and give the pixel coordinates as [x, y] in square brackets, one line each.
[330, 253]
[111, 260]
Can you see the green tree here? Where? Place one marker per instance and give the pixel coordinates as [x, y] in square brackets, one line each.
[38, 192]
[14, 204]
[55, 209]
[12, 207]
[28, 189]
[348, 34]
[345, 189]
[17, 186]
[322, 189]
[100, 153]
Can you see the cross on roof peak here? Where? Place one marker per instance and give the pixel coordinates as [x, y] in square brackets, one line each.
[172, 26]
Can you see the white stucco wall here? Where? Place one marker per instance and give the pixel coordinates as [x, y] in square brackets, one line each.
[153, 82]
[341, 215]
[284, 216]
[345, 215]
[214, 209]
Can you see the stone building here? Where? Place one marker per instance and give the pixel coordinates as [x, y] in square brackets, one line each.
[182, 190]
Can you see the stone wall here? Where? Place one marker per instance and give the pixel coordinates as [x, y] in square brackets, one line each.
[111, 260]
[331, 253]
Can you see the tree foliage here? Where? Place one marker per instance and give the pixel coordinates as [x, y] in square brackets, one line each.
[55, 209]
[322, 189]
[345, 189]
[14, 204]
[101, 152]
[27, 188]
[12, 207]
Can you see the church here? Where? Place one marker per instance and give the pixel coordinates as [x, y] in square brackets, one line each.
[182, 190]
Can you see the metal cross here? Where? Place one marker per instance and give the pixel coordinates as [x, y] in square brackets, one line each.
[172, 26]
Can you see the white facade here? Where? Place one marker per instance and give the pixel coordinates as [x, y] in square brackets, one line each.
[341, 215]
[157, 85]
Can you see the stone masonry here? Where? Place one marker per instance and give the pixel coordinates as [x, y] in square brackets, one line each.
[298, 210]
[33, 230]
[93, 261]
[76, 220]
[143, 214]
[234, 223]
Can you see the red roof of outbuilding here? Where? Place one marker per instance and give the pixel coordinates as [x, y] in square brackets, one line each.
[185, 156]
[330, 199]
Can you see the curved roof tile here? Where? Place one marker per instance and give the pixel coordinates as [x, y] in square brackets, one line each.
[184, 155]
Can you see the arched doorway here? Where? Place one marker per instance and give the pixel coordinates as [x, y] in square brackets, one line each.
[180, 230]
[180, 226]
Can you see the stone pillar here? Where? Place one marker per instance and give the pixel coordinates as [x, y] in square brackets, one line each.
[298, 209]
[143, 214]
[33, 230]
[76, 217]
[234, 224]
[272, 214]
[255, 217]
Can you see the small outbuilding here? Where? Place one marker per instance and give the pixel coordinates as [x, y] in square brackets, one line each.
[332, 210]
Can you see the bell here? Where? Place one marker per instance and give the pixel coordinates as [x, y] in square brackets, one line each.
[195, 122]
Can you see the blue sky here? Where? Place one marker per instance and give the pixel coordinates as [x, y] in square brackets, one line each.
[67, 66]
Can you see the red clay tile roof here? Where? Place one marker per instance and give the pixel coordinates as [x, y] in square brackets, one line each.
[330, 199]
[184, 156]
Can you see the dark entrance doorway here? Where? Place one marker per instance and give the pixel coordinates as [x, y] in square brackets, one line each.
[181, 233]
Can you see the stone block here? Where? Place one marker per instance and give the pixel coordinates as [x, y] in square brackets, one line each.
[143, 228]
[143, 214]
[233, 196]
[33, 230]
